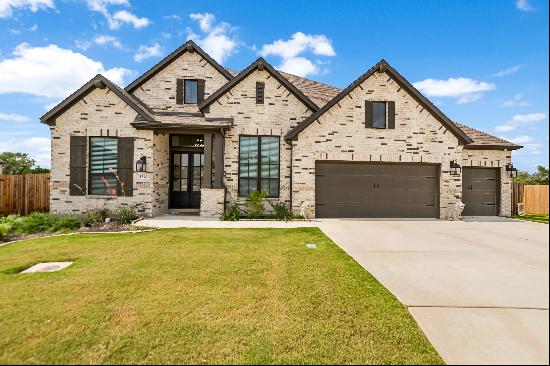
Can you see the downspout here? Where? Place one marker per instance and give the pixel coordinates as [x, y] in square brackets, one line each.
[291, 163]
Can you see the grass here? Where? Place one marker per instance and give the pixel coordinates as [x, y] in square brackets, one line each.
[534, 217]
[199, 296]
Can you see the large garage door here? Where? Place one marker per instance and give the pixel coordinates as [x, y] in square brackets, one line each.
[480, 191]
[345, 189]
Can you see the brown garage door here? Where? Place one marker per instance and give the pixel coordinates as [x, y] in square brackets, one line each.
[345, 189]
[480, 191]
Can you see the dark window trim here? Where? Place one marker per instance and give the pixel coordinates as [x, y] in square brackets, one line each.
[258, 178]
[385, 102]
[260, 85]
[89, 167]
[184, 96]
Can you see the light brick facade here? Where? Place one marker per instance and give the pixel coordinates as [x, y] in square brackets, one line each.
[338, 134]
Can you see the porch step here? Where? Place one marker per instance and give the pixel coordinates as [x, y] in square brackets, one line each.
[184, 211]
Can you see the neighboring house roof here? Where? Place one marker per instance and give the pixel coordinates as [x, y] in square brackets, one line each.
[98, 81]
[483, 140]
[383, 65]
[186, 47]
[259, 63]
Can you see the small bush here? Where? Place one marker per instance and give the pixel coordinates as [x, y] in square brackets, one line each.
[38, 222]
[255, 205]
[125, 214]
[89, 218]
[233, 213]
[281, 211]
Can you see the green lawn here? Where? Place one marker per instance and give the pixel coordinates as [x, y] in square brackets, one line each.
[200, 296]
[535, 218]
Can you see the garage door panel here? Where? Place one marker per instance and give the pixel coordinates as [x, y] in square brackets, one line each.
[345, 189]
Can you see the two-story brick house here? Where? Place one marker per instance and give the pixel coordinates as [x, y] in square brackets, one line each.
[191, 135]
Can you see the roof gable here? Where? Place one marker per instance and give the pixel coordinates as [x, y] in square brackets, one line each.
[98, 81]
[188, 46]
[260, 64]
[383, 66]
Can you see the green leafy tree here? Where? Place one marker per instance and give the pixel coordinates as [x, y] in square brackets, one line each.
[20, 163]
[539, 177]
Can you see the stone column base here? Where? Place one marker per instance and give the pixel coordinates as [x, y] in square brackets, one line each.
[212, 200]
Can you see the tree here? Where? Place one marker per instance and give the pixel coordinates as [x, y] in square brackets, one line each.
[539, 177]
[20, 163]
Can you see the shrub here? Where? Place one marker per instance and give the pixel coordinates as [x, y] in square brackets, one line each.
[89, 218]
[125, 214]
[255, 206]
[7, 225]
[38, 222]
[281, 211]
[233, 213]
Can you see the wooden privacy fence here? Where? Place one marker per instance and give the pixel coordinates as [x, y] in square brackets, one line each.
[534, 198]
[24, 193]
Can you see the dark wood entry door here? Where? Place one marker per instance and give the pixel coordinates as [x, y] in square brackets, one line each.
[480, 191]
[186, 179]
[349, 189]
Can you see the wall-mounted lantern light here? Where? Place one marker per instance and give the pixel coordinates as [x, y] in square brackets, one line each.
[456, 169]
[513, 171]
[141, 164]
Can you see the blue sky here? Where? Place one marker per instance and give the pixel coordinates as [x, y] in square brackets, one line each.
[484, 63]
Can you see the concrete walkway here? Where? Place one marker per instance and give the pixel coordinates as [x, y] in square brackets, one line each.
[478, 288]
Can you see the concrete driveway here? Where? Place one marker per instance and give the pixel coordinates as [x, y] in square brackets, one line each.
[478, 288]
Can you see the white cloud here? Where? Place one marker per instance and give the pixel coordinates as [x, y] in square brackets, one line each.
[103, 39]
[516, 101]
[524, 5]
[37, 147]
[520, 120]
[51, 71]
[12, 117]
[519, 139]
[7, 6]
[119, 18]
[508, 71]
[298, 66]
[465, 89]
[217, 40]
[291, 52]
[145, 52]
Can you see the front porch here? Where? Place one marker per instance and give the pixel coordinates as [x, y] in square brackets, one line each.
[188, 163]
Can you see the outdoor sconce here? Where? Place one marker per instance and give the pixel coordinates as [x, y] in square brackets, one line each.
[513, 171]
[456, 169]
[141, 164]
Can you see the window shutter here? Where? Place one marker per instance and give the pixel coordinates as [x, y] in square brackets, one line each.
[260, 88]
[391, 115]
[179, 91]
[125, 163]
[368, 114]
[77, 166]
[200, 91]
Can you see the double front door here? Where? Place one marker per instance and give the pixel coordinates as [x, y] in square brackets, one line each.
[186, 179]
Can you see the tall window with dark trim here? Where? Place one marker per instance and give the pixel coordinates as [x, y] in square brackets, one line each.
[259, 165]
[103, 165]
[379, 115]
[260, 91]
[190, 91]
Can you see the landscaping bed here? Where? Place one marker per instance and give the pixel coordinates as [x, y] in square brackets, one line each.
[200, 296]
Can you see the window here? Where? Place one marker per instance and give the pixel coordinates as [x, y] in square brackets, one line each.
[259, 165]
[103, 165]
[190, 95]
[379, 115]
[260, 87]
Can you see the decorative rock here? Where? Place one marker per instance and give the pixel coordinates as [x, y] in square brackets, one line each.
[107, 220]
[311, 246]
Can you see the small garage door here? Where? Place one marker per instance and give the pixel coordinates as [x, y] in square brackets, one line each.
[345, 189]
[480, 191]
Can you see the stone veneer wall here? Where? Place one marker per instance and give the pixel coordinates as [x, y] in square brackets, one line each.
[212, 202]
[159, 92]
[161, 169]
[280, 112]
[493, 159]
[340, 134]
[100, 113]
